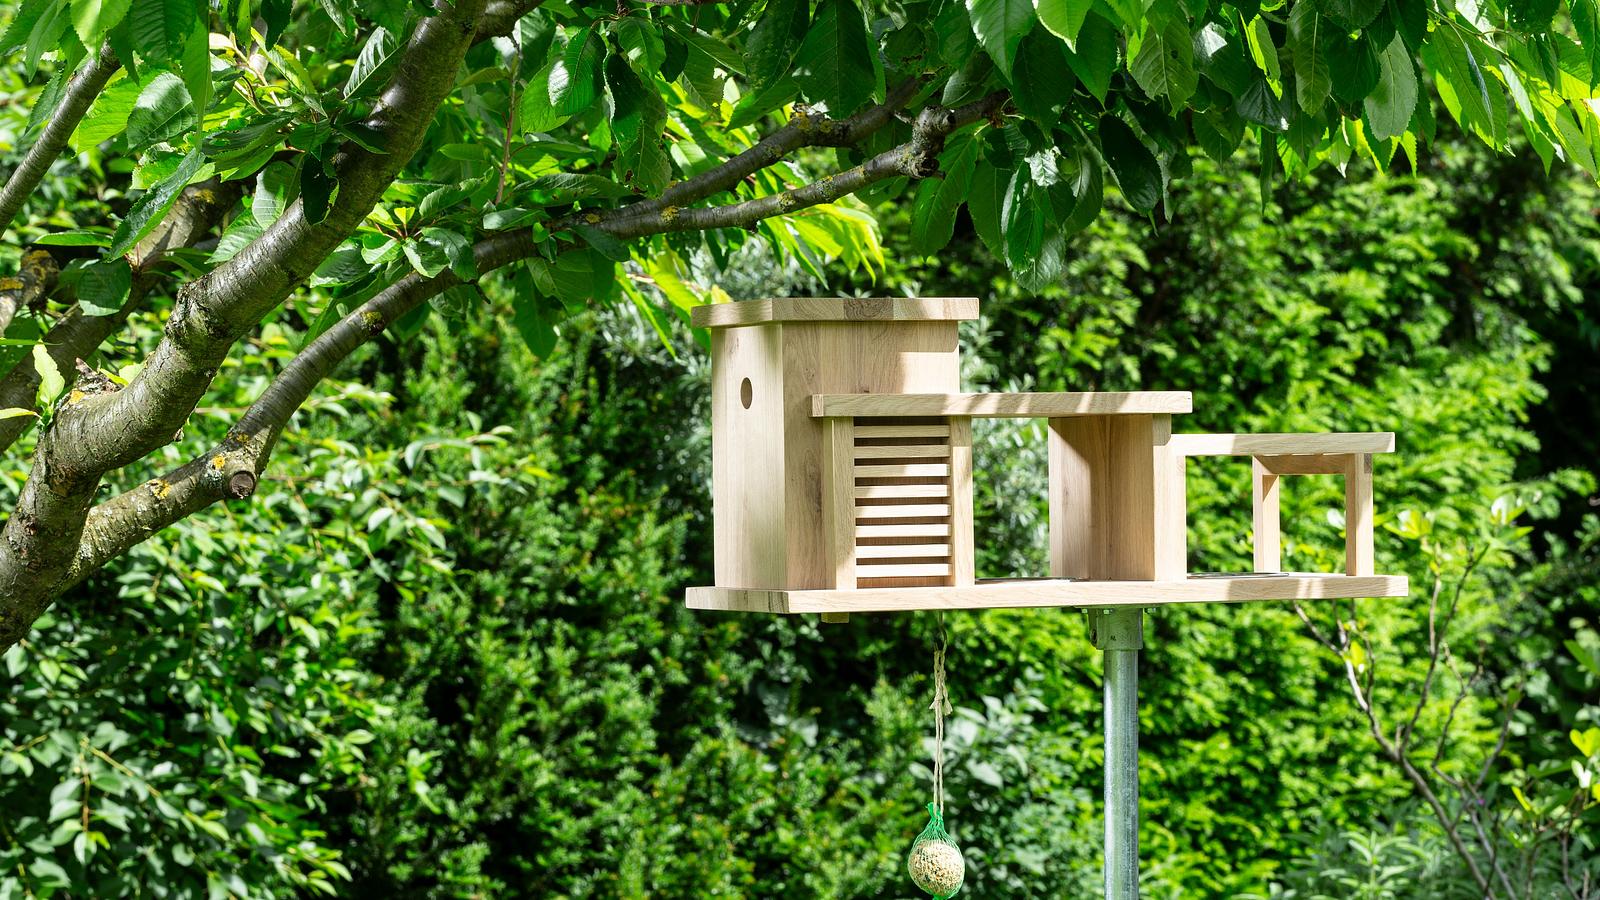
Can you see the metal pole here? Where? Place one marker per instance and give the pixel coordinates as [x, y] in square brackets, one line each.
[1119, 633]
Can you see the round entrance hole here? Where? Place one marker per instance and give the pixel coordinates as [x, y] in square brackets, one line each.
[746, 389]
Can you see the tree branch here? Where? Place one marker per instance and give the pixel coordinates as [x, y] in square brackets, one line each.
[82, 88]
[197, 211]
[92, 435]
[233, 468]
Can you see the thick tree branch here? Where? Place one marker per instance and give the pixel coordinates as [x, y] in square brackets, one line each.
[916, 158]
[196, 213]
[500, 16]
[233, 468]
[84, 85]
[92, 435]
[804, 129]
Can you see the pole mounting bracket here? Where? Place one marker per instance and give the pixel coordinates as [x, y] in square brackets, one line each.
[1116, 628]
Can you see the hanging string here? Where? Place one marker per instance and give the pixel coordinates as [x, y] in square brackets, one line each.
[941, 708]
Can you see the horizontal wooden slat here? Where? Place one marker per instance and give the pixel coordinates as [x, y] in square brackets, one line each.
[1044, 592]
[1313, 464]
[904, 470]
[834, 309]
[1282, 444]
[998, 405]
[904, 511]
[891, 491]
[901, 431]
[901, 551]
[925, 451]
[903, 570]
[938, 529]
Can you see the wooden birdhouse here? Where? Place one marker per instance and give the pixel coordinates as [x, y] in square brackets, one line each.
[842, 470]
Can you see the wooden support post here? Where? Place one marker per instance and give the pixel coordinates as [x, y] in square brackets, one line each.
[1169, 513]
[1358, 552]
[839, 505]
[963, 559]
[1264, 505]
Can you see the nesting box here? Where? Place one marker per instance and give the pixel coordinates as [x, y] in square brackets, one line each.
[842, 474]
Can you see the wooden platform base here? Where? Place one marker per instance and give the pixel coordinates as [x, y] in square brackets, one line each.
[1051, 592]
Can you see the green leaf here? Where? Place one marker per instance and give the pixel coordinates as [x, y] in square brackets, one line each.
[51, 384]
[457, 250]
[275, 13]
[1041, 84]
[93, 18]
[73, 239]
[573, 83]
[641, 41]
[1586, 22]
[1000, 26]
[316, 189]
[1135, 167]
[274, 192]
[1308, 52]
[1531, 16]
[163, 111]
[535, 321]
[1353, 66]
[938, 199]
[371, 64]
[1220, 57]
[154, 203]
[1063, 18]
[1095, 59]
[1461, 84]
[22, 24]
[775, 39]
[108, 116]
[160, 27]
[1163, 64]
[1351, 15]
[638, 117]
[833, 64]
[103, 286]
[1390, 105]
[53, 23]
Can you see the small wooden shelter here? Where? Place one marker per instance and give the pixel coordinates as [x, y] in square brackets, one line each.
[842, 470]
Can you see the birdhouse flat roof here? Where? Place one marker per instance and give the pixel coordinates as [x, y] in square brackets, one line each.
[835, 309]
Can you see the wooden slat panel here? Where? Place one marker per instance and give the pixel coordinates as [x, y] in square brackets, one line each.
[878, 491]
[939, 530]
[1002, 405]
[904, 470]
[925, 451]
[905, 570]
[867, 432]
[1282, 444]
[904, 511]
[901, 551]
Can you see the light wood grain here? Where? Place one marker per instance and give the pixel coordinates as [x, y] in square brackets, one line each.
[905, 570]
[1051, 592]
[902, 551]
[1264, 513]
[1115, 498]
[904, 470]
[963, 557]
[834, 309]
[1002, 405]
[866, 432]
[919, 530]
[1283, 444]
[904, 511]
[1169, 509]
[1358, 544]
[824, 357]
[749, 500]
[907, 491]
[912, 451]
[838, 499]
[1313, 464]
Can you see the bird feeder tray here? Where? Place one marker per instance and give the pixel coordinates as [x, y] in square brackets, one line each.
[842, 475]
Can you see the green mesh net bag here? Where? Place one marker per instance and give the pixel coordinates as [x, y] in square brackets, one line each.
[935, 862]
